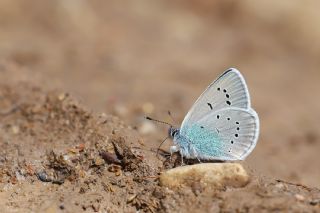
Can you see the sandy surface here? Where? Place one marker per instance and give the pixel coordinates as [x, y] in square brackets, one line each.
[78, 77]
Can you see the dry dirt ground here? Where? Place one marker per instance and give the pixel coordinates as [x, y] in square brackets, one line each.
[77, 78]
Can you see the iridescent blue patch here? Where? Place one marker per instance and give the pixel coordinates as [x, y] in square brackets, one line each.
[204, 141]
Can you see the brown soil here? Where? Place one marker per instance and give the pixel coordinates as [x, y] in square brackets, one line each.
[63, 64]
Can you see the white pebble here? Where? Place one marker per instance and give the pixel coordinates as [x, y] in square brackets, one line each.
[208, 175]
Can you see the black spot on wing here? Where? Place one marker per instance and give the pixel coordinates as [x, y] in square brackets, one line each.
[210, 106]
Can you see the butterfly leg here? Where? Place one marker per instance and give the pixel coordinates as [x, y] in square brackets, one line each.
[182, 160]
[199, 160]
[194, 153]
[173, 149]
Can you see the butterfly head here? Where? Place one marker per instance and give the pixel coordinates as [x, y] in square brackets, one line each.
[172, 132]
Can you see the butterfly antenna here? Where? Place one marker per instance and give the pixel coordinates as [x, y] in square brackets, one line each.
[170, 115]
[161, 145]
[163, 122]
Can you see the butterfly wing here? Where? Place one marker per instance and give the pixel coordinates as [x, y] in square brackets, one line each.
[226, 134]
[229, 90]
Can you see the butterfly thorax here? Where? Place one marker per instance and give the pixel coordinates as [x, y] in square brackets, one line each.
[181, 143]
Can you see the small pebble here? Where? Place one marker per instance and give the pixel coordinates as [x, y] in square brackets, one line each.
[15, 129]
[19, 176]
[73, 151]
[81, 147]
[131, 198]
[43, 176]
[299, 197]
[30, 170]
[315, 202]
[115, 169]
[62, 96]
[95, 207]
[208, 175]
[82, 173]
[280, 185]
[98, 161]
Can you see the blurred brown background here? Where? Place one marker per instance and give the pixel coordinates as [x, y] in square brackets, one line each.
[136, 57]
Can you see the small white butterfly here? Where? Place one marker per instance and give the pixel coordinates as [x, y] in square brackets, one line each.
[221, 125]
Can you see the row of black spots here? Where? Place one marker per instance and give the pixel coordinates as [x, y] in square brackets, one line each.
[218, 117]
[236, 135]
[227, 95]
[237, 123]
[225, 91]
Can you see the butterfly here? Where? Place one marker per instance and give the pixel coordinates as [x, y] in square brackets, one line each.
[221, 125]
